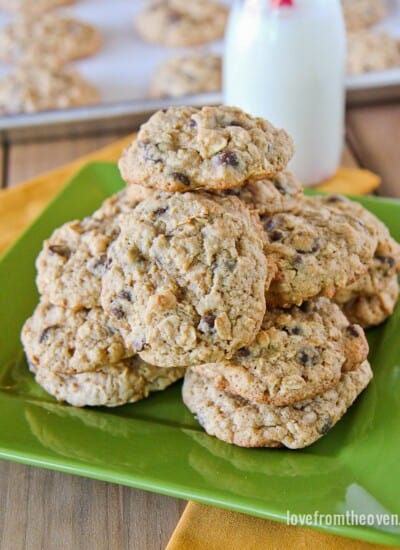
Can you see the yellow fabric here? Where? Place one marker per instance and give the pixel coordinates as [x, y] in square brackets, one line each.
[205, 528]
[201, 527]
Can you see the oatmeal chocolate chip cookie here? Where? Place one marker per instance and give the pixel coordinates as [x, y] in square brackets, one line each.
[73, 259]
[33, 6]
[181, 22]
[39, 38]
[372, 297]
[359, 14]
[182, 76]
[184, 279]
[299, 353]
[239, 421]
[110, 386]
[66, 341]
[317, 251]
[29, 89]
[372, 309]
[371, 51]
[283, 193]
[186, 148]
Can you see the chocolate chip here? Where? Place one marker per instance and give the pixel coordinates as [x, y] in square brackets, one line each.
[314, 248]
[243, 352]
[182, 178]
[61, 250]
[353, 331]
[227, 158]
[307, 306]
[297, 260]
[386, 260]
[100, 262]
[269, 225]
[160, 211]
[45, 334]
[231, 265]
[192, 123]
[117, 312]
[276, 236]
[235, 123]
[125, 295]
[173, 17]
[295, 330]
[326, 426]
[209, 320]
[335, 198]
[280, 187]
[232, 192]
[307, 356]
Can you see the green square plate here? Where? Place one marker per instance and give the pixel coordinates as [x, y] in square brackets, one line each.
[157, 445]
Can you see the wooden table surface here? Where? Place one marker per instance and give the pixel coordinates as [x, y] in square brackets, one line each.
[49, 510]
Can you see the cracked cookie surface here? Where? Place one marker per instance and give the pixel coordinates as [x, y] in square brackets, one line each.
[316, 251]
[185, 277]
[72, 260]
[299, 353]
[181, 22]
[186, 148]
[241, 422]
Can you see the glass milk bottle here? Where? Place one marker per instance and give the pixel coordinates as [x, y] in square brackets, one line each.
[285, 61]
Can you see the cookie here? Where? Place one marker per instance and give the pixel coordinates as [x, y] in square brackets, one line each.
[66, 341]
[72, 260]
[283, 193]
[316, 251]
[359, 14]
[36, 6]
[239, 421]
[299, 353]
[181, 22]
[29, 89]
[110, 386]
[186, 148]
[372, 297]
[184, 279]
[39, 38]
[371, 51]
[372, 309]
[182, 76]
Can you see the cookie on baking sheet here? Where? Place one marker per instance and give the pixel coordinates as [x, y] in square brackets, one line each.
[110, 386]
[316, 251]
[39, 38]
[371, 51]
[72, 260]
[186, 148]
[182, 76]
[239, 421]
[67, 341]
[359, 14]
[29, 89]
[184, 279]
[33, 6]
[299, 353]
[282, 193]
[181, 22]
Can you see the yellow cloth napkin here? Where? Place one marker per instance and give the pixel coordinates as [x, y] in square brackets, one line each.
[201, 527]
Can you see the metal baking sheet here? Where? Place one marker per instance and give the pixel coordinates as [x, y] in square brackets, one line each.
[122, 71]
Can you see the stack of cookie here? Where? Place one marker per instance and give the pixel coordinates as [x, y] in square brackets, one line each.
[40, 43]
[212, 263]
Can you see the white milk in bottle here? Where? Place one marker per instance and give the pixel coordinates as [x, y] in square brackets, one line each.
[285, 61]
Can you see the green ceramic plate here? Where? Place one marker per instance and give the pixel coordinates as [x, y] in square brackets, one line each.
[156, 444]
